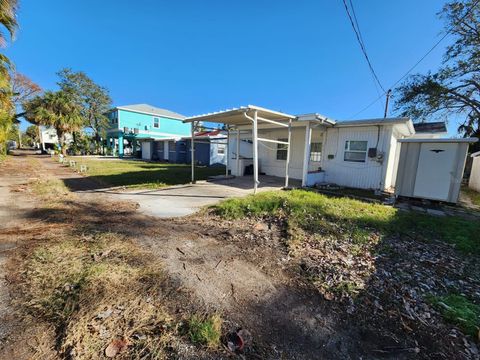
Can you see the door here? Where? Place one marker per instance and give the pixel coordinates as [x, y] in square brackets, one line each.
[165, 150]
[435, 170]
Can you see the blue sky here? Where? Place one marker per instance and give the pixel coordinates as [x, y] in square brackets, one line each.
[196, 56]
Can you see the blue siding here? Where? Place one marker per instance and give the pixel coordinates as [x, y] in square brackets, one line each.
[202, 153]
[145, 124]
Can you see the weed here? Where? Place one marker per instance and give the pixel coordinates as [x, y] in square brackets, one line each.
[344, 218]
[205, 330]
[459, 311]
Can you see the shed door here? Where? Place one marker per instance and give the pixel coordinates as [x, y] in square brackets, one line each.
[435, 170]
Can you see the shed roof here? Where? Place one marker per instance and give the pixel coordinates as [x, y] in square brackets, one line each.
[151, 110]
[430, 127]
[451, 140]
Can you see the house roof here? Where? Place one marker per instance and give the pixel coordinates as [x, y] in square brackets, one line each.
[210, 133]
[430, 127]
[151, 110]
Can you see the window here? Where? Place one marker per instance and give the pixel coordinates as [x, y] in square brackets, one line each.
[282, 150]
[156, 122]
[114, 117]
[316, 152]
[171, 146]
[221, 150]
[355, 151]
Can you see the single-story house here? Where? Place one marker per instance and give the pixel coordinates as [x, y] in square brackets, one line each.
[314, 148]
[210, 149]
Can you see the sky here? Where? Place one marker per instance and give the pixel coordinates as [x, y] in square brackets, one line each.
[194, 57]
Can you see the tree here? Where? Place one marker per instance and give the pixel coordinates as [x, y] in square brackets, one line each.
[57, 109]
[8, 21]
[31, 135]
[455, 88]
[93, 100]
[23, 89]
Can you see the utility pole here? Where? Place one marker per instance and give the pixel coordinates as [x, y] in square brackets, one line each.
[389, 93]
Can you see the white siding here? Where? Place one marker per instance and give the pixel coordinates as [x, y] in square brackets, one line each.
[267, 153]
[146, 150]
[367, 175]
[215, 157]
[474, 182]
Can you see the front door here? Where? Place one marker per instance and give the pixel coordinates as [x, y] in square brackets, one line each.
[165, 150]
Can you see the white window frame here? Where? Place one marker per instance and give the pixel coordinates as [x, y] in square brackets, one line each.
[349, 150]
[221, 149]
[158, 122]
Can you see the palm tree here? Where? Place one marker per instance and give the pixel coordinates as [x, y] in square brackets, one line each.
[56, 109]
[8, 19]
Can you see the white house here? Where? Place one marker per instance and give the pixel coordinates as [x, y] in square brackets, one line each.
[312, 147]
[49, 138]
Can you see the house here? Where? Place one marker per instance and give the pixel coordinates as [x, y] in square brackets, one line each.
[314, 148]
[210, 148]
[146, 127]
[49, 139]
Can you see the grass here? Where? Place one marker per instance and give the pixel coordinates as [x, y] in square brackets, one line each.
[473, 195]
[205, 330]
[459, 311]
[352, 219]
[140, 174]
[95, 287]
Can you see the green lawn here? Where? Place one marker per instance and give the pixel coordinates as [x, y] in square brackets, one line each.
[140, 174]
[352, 219]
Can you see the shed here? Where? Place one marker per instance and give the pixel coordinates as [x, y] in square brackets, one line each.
[431, 168]
[474, 181]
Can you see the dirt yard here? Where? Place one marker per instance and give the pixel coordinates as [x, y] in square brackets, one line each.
[241, 270]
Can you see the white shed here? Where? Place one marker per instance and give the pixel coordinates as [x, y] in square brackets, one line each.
[432, 168]
[474, 181]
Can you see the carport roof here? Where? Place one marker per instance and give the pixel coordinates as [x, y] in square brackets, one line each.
[236, 116]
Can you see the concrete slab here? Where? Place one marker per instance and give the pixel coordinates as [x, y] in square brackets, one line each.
[186, 199]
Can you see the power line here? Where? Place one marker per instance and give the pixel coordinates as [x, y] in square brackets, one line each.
[361, 43]
[418, 62]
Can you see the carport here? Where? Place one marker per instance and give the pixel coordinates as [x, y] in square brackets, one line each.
[240, 119]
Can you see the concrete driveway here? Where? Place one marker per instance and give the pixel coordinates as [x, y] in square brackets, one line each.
[186, 199]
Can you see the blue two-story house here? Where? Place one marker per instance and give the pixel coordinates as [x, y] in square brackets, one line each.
[144, 126]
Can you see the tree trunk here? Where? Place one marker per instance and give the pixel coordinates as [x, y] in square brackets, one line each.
[61, 141]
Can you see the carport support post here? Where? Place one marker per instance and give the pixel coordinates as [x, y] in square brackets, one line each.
[306, 154]
[288, 151]
[192, 149]
[255, 152]
[226, 151]
[237, 161]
